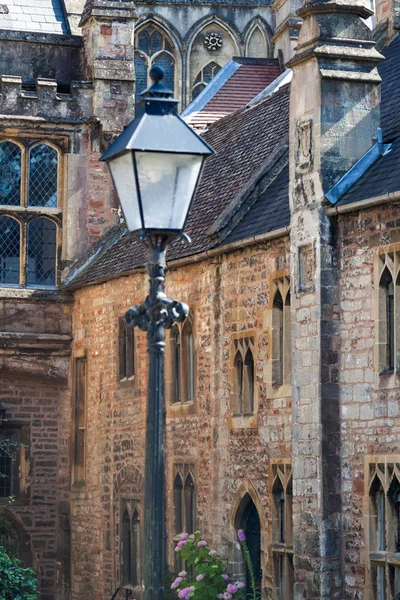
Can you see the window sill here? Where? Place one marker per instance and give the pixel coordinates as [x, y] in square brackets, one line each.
[51, 294]
[244, 421]
[181, 409]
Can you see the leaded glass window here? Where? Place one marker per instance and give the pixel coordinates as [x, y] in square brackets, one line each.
[153, 48]
[10, 248]
[28, 195]
[204, 77]
[43, 171]
[6, 474]
[10, 174]
[41, 256]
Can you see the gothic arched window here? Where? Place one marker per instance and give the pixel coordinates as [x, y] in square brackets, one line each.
[257, 44]
[386, 309]
[130, 543]
[184, 499]
[29, 238]
[204, 77]
[282, 531]
[243, 377]
[281, 337]
[153, 47]
[181, 388]
[248, 519]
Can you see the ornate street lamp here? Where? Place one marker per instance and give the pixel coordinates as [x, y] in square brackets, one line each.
[155, 164]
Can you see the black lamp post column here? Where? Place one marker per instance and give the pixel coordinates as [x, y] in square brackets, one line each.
[154, 316]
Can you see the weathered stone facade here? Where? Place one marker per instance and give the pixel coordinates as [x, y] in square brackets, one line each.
[323, 426]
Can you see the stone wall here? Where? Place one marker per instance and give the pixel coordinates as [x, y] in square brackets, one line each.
[228, 296]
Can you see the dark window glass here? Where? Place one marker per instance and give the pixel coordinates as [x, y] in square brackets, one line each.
[178, 505]
[140, 74]
[126, 350]
[43, 171]
[166, 62]
[9, 250]
[237, 384]
[6, 474]
[126, 548]
[10, 174]
[248, 384]
[41, 255]
[80, 419]
[189, 505]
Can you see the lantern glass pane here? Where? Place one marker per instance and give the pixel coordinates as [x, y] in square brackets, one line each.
[167, 183]
[123, 174]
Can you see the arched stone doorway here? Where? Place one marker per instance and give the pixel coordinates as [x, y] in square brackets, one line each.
[248, 519]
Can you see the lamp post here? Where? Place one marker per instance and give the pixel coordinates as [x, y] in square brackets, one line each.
[155, 164]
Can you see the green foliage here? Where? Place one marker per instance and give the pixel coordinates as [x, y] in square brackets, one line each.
[16, 583]
[206, 577]
[7, 532]
[255, 593]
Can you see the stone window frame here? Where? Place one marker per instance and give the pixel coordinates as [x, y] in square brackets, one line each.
[279, 380]
[127, 354]
[183, 406]
[150, 59]
[381, 470]
[24, 214]
[78, 456]
[386, 269]
[20, 461]
[249, 338]
[200, 81]
[132, 505]
[281, 475]
[183, 467]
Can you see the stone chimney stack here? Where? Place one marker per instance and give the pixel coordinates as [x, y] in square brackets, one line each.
[287, 26]
[334, 115]
[387, 14]
[108, 28]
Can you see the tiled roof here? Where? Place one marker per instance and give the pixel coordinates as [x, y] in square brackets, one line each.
[43, 16]
[247, 78]
[243, 142]
[389, 70]
[382, 178]
[270, 212]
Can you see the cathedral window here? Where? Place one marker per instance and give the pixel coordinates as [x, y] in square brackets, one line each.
[388, 323]
[80, 377]
[29, 215]
[384, 527]
[282, 532]
[130, 543]
[153, 48]
[126, 350]
[281, 338]
[204, 77]
[243, 377]
[181, 387]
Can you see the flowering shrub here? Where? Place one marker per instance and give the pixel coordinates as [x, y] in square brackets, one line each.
[208, 580]
[255, 593]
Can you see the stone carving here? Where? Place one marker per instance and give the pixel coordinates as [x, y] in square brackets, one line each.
[213, 41]
[306, 268]
[304, 149]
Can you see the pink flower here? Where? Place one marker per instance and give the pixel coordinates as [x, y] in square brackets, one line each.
[225, 576]
[231, 588]
[202, 543]
[176, 583]
[240, 585]
[185, 593]
[180, 545]
[184, 536]
[212, 553]
[241, 536]
[200, 577]
[227, 596]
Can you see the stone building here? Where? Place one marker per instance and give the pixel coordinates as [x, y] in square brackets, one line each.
[282, 393]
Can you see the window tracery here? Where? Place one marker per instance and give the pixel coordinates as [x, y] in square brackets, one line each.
[204, 77]
[243, 377]
[182, 363]
[281, 338]
[29, 214]
[388, 311]
[282, 531]
[154, 47]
